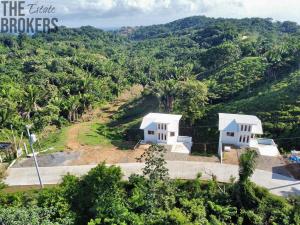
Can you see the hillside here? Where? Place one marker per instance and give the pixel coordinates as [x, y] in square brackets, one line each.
[248, 65]
[196, 66]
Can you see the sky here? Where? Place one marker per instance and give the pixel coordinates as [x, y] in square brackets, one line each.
[117, 13]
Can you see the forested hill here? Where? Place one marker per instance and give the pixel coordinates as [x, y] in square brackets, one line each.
[191, 25]
[248, 65]
[196, 66]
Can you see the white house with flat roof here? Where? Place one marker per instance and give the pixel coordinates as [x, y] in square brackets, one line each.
[164, 129]
[241, 131]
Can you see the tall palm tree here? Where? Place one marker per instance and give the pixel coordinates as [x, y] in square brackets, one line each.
[244, 193]
[31, 96]
[166, 93]
[247, 165]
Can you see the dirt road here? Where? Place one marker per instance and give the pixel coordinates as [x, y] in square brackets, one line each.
[100, 153]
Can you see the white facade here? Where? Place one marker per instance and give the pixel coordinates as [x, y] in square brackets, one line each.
[161, 128]
[241, 131]
[164, 129]
[238, 130]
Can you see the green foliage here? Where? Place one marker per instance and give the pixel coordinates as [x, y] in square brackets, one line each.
[247, 164]
[155, 168]
[240, 76]
[158, 186]
[197, 67]
[188, 98]
[48, 83]
[100, 197]
[220, 55]
[52, 79]
[33, 216]
[191, 101]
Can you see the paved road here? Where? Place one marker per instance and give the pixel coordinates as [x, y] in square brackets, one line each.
[277, 184]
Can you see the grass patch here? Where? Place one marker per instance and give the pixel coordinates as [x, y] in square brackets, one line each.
[92, 137]
[16, 189]
[106, 136]
[55, 141]
[122, 130]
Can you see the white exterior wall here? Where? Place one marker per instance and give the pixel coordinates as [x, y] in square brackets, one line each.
[236, 139]
[173, 127]
[229, 140]
[150, 138]
[162, 132]
[244, 134]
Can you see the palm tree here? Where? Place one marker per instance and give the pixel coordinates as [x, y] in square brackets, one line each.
[244, 192]
[166, 93]
[73, 103]
[247, 165]
[31, 96]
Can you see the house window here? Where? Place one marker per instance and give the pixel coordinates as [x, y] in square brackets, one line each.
[150, 132]
[172, 134]
[242, 127]
[248, 139]
[244, 139]
[240, 138]
[249, 128]
[230, 134]
[165, 126]
[165, 137]
[159, 126]
[160, 137]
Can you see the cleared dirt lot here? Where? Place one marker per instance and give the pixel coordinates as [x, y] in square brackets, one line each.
[97, 155]
[276, 165]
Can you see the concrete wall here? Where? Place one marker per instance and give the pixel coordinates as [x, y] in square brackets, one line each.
[173, 127]
[150, 138]
[229, 140]
[236, 139]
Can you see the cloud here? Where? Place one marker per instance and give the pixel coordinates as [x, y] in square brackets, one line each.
[107, 13]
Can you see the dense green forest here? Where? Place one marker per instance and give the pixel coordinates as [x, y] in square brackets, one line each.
[196, 66]
[101, 197]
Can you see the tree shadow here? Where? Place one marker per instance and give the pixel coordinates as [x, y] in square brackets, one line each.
[280, 170]
[123, 130]
[293, 191]
[135, 109]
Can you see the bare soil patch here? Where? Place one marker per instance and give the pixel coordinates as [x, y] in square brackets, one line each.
[276, 165]
[293, 168]
[231, 157]
[101, 153]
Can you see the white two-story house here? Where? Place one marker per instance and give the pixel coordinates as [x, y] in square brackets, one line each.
[164, 129]
[242, 131]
